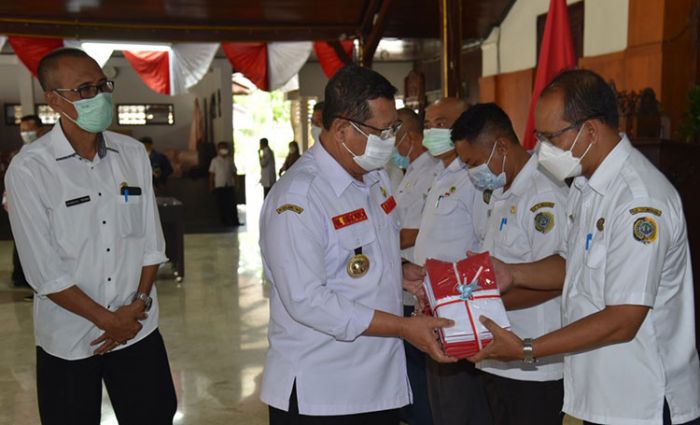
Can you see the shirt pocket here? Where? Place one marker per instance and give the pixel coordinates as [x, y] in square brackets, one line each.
[446, 206]
[357, 239]
[130, 216]
[594, 269]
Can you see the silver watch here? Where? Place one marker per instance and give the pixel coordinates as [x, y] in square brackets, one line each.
[147, 300]
[528, 356]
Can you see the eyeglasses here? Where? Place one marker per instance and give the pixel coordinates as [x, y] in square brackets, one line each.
[547, 137]
[88, 91]
[384, 133]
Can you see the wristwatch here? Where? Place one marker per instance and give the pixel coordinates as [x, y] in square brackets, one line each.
[528, 356]
[147, 300]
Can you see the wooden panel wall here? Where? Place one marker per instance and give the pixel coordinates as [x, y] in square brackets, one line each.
[512, 92]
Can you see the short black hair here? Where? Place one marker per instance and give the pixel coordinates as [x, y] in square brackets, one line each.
[48, 63]
[146, 140]
[349, 90]
[410, 119]
[32, 117]
[318, 106]
[483, 118]
[586, 95]
[264, 141]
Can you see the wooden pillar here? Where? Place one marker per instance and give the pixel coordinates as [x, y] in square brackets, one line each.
[451, 38]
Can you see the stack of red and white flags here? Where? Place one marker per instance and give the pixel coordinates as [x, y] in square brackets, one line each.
[463, 292]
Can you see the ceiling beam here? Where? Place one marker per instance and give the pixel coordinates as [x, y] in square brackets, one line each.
[371, 40]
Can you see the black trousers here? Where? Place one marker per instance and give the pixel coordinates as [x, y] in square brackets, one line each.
[516, 402]
[457, 394]
[226, 201]
[292, 417]
[667, 418]
[137, 378]
[419, 412]
[18, 278]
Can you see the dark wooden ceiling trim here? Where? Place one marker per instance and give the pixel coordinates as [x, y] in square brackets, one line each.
[375, 35]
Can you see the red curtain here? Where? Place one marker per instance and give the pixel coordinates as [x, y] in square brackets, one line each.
[556, 54]
[250, 59]
[328, 58]
[30, 50]
[153, 67]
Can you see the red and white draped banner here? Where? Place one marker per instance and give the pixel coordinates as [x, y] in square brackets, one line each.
[328, 56]
[250, 59]
[153, 67]
[30, 50]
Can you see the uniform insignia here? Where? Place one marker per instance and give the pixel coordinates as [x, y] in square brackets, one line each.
[453, 189]
[350, 218]
[123, 184]
[358, 266]
[645, 230]
[542, 205]
[389, 205]
[600, 224]
[513, 209]
[290, 207]
[384, 193]
[544, 222]
[650, 210]
[486, 196]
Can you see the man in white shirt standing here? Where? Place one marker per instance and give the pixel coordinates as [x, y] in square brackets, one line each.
[330, 246]
[421, 168]
[627, 301]
[446, 233]
[522, 213]
[83, 213]
[268, 171]
[222, 183]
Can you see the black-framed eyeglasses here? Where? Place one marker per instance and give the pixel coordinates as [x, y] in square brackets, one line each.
[88, 91]
[384, 133]
[547, 137]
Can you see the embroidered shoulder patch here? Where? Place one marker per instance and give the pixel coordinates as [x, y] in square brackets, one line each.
[544, 222]
[542, 205]
[649, 210]
[290, 207]
[645, 230]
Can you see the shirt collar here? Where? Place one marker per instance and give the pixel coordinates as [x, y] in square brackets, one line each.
[421, 160]
[609, 168]
[455, 166]
[335, 174]
[521, 182]
[63, 149]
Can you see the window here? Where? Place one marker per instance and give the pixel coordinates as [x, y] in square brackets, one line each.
[48, 116]
[13, 113]
[146, 114]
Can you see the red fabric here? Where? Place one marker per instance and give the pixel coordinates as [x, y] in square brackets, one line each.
[556, 54]
[328, 58]
[153, 67]
[30, 50]
[250, 59]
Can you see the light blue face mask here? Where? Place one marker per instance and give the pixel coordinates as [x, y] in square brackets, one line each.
[484, 179]
[437, 140]
[399, 160]
[94, 114]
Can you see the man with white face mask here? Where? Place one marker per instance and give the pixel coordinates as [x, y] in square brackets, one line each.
[222, 183]
[446, 233]
[84, 216]
[627, 301]
[317, 120]
[520, 217]
[330, 247]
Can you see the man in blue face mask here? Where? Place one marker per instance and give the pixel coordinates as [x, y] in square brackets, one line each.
[84, 217]
[520, 217]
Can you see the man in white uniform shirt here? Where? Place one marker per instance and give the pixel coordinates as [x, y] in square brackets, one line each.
[446, 233]
[523, 216]
[330, 246]
[84, 216]
[421, 169]
[627, 301]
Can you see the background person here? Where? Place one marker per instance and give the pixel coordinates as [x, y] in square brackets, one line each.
[222, 183]
[268, 173]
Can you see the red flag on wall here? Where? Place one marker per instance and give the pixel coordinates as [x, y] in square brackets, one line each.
[30, 50]
[556, 54]
[153, 67]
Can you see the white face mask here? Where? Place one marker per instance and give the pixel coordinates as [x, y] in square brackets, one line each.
[485, 179]
[28, 136]
[560, 163]
[315, 132]
[223, 152]
[437, 140]
[377, 152]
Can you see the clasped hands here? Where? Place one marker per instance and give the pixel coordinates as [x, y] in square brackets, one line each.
[119, 326]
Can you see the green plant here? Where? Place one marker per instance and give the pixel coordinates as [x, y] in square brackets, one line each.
[690, 127]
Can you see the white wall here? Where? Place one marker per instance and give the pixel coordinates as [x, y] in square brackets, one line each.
[312, 80]
[513, 46]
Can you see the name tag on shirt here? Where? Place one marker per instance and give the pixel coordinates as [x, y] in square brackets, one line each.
[347, 219]
[77, 201]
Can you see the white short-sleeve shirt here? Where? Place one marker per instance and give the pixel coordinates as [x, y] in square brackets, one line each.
[446, 230]
[74, 226]
[315, 219]
[627, 245]
[224, 171]
[524, 224]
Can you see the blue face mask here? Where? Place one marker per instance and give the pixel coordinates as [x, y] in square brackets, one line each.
[399, 160]
[484, 179]
[94, 114]
[437, 141]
